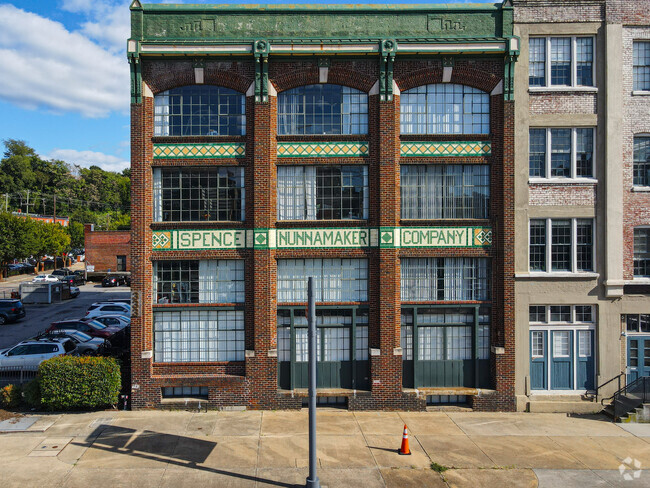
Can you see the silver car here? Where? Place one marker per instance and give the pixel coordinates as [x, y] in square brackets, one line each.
[29, 354]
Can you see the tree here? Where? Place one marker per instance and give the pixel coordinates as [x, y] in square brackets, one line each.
[76, 232]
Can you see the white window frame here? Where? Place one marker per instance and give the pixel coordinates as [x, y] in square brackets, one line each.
[634, 137]
[574, 66]
[574, 248]
[574, 157]
[638, 92]
[574, 326]
[635, 278]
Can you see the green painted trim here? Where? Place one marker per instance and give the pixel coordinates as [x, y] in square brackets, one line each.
[321, 8]
[228, 149]
[445, 149]
[322, 238]
[329, 149]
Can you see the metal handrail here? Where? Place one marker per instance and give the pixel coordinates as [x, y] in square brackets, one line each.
[645, 397]
[617, 377]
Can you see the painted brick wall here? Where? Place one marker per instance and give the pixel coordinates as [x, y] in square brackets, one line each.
[560, 195]
[559, 10]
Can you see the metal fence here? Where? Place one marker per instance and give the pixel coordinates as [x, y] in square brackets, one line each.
[16, 375]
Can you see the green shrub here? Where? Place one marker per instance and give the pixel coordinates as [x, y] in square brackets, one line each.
[32, 393]
[10, 396]
[71, 382]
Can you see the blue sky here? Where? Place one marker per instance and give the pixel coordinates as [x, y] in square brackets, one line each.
[64, 79]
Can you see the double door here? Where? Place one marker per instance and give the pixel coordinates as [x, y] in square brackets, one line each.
[562, 359]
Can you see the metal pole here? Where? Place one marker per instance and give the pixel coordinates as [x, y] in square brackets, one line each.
[312, 480]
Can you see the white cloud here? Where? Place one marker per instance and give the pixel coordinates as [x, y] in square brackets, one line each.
[86, 159]
[45, 65]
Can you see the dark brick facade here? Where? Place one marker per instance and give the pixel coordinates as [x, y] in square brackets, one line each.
[103, 247]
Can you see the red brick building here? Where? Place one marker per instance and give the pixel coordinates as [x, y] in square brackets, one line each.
[368, 147]
[107, 250]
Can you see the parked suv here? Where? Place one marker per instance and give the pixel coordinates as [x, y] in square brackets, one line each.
[94, 329]
[11, 310]
[97, 309]
[29, 354]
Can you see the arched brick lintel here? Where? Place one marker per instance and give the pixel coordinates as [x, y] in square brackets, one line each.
[475, 78]
[177, 79]
[335, 76]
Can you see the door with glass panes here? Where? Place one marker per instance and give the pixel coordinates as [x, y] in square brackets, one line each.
[637, 327]
[341, 343]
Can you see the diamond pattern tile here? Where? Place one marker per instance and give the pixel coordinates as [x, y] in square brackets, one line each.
[197, 151]
[476, 148]
[322, 149]
[161, 240]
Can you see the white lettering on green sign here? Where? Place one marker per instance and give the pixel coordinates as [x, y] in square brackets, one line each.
[337, 238]
[436, 237]
[211, 239]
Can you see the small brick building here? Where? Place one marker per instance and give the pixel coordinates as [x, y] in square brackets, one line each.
[107, 250]
[369, 147]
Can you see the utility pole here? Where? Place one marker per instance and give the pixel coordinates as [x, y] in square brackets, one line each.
[55, 209]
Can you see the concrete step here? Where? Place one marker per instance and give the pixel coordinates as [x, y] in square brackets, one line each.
[564, 405]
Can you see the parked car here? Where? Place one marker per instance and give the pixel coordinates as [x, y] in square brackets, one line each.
[62, 272]
[81, 277]
[45, 278]
[94, 329]
[113, 280]
[115, 300]
[11, 310]
[29, 354]
[72, 280]
[113, 320]
[86, 344]
[97, 309]
[74, 291]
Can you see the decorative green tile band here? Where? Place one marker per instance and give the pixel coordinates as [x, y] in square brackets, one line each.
[428, 149]
[322, 149]
[324, 238]
[199, 151]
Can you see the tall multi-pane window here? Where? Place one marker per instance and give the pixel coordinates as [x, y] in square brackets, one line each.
[642, 161]
[196, 194]
[322, 192]
[199, 110]
[641, 65]
[198, 335]
[445, 191]
[322, 109]
[561, 61]
[561, 153]
[642, 252]
[561, 245]
[444, 108]
[335, 280]
[448, 279]
[205, 281]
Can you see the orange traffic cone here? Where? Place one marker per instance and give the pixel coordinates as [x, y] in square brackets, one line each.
[404, 450]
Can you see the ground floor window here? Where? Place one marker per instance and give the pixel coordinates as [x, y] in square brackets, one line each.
[562, 347]
[341, 343]
[185, 391]
[198, 335]
[445, 346]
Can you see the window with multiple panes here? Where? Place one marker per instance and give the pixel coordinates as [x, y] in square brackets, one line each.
[642, 160]
[444, 333]
[444, 108]
[205, 281]
[185, 391]
[561, 245]
[121, 263]
[561, 153]
[199, 110]
[322, 192]
[637, 322]
[642, 252]
[198, 335]
[198, 194]
[561, 61]
[641, 65]
[335, 280]
[448, 279]
[445, 191]
[322, 109]
[561, 314]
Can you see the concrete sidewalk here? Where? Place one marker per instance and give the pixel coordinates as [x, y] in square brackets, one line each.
[270, 449]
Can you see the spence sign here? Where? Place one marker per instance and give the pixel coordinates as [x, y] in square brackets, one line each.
[324, 238]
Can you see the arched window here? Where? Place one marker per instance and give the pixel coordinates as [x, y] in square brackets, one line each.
[444, 108]
[322, 109]
[199, 110]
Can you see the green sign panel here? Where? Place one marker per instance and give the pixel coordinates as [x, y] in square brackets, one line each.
[324, 238]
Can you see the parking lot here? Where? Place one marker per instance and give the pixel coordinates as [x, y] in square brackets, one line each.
[38, 317]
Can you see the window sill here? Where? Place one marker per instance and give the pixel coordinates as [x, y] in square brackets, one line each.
[558, 274]
[569, 89]
[641, 93]
[638, 281]
[563, 181]
[641, 189]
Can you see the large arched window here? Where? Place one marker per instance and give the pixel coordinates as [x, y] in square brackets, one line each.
[444, 108]
[322, 109]
[199, 110]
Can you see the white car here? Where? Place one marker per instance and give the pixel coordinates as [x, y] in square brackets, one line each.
[97, 309]
[120, 321]
[29, 354]
[46, 278]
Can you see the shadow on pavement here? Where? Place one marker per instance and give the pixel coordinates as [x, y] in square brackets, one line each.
[163, 447]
